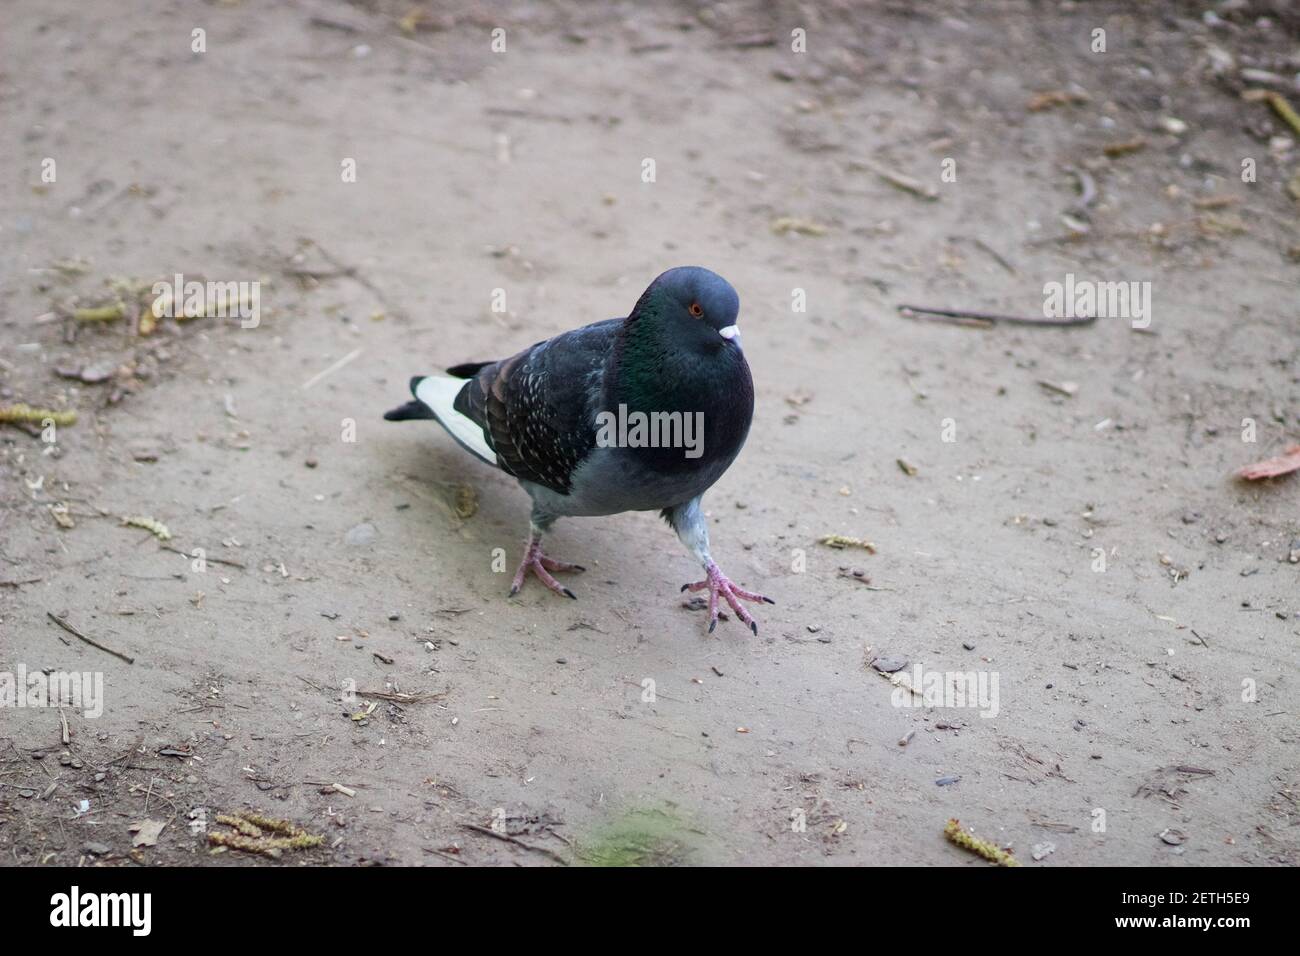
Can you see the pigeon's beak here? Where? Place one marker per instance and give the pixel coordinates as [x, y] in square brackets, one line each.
[731, 333]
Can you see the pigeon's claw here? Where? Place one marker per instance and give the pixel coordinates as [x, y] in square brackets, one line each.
[717, 584]
[542, 566]
[550, 564]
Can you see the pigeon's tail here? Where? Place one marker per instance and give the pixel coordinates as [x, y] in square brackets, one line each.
[467, 370]
[412, 409]
[435, 397]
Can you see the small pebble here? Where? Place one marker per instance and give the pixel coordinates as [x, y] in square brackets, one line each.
[361, 535]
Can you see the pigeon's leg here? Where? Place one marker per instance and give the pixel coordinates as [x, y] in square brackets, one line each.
[688, 521]
[537, 562]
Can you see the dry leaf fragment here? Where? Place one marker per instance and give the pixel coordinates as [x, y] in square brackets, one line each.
[146, 832]
[61, 515]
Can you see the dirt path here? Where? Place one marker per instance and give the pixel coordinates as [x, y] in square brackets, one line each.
[522, 172]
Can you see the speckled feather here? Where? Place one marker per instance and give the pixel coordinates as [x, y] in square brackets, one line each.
[537, 408]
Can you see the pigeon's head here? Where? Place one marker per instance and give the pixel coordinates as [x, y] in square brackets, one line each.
[696, 306]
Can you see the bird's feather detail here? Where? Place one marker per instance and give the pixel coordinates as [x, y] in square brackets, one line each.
[537, 408]
[439, 395]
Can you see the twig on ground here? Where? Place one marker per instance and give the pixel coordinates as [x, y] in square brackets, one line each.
[987, 319]
[980, 243]
[507, 838]
[229, 564]
[93, 643]
[355, 274]
[399, 698]
[1284, 109]
[445, 855]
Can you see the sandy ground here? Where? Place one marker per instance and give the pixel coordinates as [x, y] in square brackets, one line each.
[1126, 729]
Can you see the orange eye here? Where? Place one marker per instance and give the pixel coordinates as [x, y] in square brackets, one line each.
[696, 309]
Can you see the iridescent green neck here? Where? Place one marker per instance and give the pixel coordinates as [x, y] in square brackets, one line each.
[646, 380]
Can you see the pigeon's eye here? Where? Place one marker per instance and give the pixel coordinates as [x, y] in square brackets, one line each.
[697, 310]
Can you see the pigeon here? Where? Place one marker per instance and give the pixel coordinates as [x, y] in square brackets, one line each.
[642, 413]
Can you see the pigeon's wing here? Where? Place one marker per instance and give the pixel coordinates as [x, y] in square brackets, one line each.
[537, 409]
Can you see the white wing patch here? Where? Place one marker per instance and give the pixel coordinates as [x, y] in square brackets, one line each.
[440, 395]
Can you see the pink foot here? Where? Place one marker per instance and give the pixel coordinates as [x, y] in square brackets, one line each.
[541, 566]
[718, 583]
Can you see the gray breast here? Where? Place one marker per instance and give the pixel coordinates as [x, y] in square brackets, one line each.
[613, 480]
